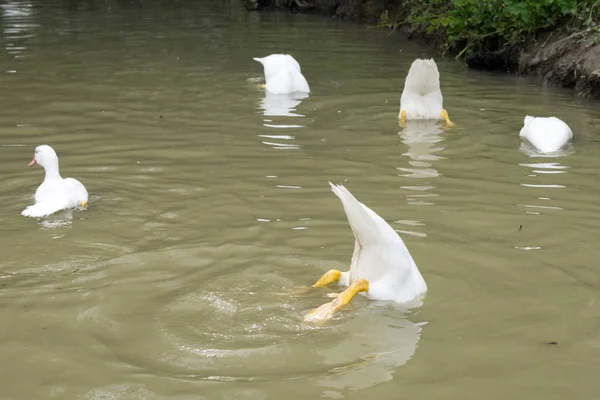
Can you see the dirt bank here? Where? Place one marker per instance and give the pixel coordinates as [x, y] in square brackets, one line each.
[569, 60]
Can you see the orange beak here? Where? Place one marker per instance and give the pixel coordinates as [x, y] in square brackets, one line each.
[33, 162]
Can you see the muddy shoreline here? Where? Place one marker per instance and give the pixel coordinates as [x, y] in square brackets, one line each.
[570, 60]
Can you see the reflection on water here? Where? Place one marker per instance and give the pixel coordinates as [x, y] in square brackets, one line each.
[544, 178]
[422, 138]
[60, 219]
[531, 151]
[544, 183]
[282, 104]
[381, 343]
[15, 9]
[17, 27]
[280, 145]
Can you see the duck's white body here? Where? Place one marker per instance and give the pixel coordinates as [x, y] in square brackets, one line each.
[55, 193]
[283, 74]
[380, 255]
[422, 97]
[546, 134]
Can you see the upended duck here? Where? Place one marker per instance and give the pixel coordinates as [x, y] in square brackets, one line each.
[381, 265]
[283, 74]
[55, 193]
[422, 97]
[546, 134]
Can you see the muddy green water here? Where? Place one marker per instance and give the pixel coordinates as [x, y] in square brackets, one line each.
[210, 210]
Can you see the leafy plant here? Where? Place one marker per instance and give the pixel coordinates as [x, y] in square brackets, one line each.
[472, 25]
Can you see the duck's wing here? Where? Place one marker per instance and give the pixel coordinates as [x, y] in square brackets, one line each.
[300, 83]
[75, 191]
[527, 127]
[560, 127]
[287, 81]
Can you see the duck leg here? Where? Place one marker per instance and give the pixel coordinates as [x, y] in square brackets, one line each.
[328, 277]
[447, 118]
[403, 118]
[327, 310]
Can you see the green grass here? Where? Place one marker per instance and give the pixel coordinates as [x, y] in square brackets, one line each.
[476, 25]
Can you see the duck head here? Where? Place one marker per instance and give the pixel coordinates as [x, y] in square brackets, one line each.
[44, 156]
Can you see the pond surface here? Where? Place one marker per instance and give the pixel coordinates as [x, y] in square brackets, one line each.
[210, 214]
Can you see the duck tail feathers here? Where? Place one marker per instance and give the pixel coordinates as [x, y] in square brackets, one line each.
[363, 221]
[41, 209]
[423, 75]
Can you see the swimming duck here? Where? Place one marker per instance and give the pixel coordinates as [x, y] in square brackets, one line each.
[422, 97]
[381, 265]
[283, 74]
[546, 134]
[55, 193]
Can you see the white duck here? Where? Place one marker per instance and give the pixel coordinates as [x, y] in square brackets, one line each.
[422, 97]
[381, 265]
[283, 74]
[546, 134]
[55, 193]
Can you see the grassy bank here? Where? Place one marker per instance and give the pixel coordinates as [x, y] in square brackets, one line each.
[470, 26]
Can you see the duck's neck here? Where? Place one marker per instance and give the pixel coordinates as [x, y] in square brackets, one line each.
[52, 172]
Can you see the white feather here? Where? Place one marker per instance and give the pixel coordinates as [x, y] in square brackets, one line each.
[546, 134]
[380, 255]
[283, 74]
[422, 97]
